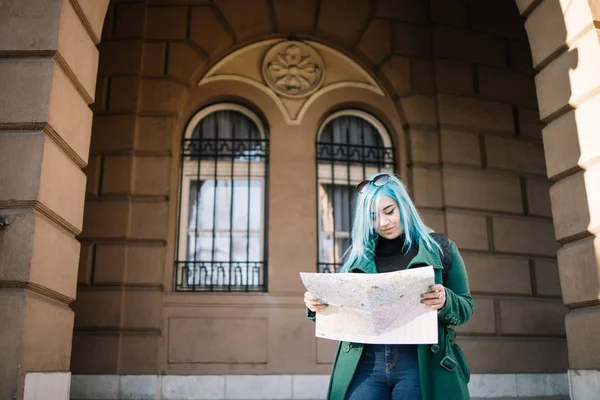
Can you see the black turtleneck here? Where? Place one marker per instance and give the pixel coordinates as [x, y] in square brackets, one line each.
[389, 256]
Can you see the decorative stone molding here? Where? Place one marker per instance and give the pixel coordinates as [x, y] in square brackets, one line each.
[293, 69]
[292, 73]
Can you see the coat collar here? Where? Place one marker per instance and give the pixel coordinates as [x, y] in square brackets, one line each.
[424, 256]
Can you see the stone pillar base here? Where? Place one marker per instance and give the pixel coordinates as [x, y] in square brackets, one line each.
[584, 384]
[47, 385]
[301, 387]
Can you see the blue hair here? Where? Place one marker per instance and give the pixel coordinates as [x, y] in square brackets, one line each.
[364, 232]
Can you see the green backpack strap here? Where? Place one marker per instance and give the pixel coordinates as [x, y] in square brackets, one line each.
[445, 255]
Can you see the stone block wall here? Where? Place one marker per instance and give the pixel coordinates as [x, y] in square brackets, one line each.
[461, 80]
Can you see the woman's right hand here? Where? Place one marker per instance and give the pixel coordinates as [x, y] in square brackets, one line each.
[312, 303]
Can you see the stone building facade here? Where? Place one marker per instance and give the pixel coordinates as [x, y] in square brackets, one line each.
[485, 109]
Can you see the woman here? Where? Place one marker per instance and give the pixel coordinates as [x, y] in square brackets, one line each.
[389, 235]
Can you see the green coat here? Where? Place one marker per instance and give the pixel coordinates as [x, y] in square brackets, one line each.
[443, 370]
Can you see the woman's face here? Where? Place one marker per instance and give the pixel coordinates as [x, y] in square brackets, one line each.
[388, 221]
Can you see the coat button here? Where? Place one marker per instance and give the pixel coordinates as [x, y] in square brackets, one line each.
[434, 348]
[346, 348]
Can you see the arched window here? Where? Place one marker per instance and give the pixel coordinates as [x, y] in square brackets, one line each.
[351, 146]
[222, 238]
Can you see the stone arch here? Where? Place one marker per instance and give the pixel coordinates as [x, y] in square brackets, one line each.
[150, 90]
[567, 82]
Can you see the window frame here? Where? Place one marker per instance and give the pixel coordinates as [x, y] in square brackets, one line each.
[221, 170]
[326, 173]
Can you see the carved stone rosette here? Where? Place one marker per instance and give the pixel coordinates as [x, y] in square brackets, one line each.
[293, 69]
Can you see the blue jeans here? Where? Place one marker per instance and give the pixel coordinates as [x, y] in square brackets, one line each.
[386, 372]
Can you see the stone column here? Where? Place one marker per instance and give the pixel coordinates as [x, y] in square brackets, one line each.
[568, 58]
[48, 64]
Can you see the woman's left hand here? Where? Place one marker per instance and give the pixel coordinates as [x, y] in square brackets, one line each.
[435, 297]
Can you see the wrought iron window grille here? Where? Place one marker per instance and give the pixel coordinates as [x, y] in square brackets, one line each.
[351, 146]
[221, 244]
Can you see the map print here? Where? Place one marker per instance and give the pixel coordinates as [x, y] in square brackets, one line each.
[374, 308]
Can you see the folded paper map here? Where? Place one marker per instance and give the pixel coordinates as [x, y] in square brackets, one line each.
[374, 308]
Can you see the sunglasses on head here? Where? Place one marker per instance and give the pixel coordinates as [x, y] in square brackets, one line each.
[379, 180]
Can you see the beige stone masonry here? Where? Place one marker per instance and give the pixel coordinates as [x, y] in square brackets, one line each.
[579, 272]
[524, 236]
[461, 148]
[99, 307]
[151, 176]
[153, 59]
[130, 20]
[116, 175]
[571, 78]
[95, 352]
[109, 263]
[583, 328]
[402, 10]
[424, 146]
[184, 62]
[519, 55]
[154, 134]
[411, 39]
[514, 279]
[454, 76]
[112, 133]
[571, 142]
[120, 57]
[106, 219]
[93, 15]
[375, 43]
[532, 317]
[84, 273]
[248, 19]
[36, 29]
[434, 219]
[547, 282]
[427, 187]
[553, 23]
[92, 173]
[139, 353]
[344, 27]
[483, 190]
[515, 355]
[77, 49]
[419, 110]
[166, 22]
[123, 94]
[576, 204]
[515, 155]
[467, 45]
[208, 32]
[397, 71]
[483, 322]
[530, 125]
[480, 115]
[149, 220]
[538, 197]
[47, 256]
[297, 16]
[453, 12]
[468, 231]
[497, 17]
[160, 96]
[507, 86]
[101, 97]
[422, 76]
